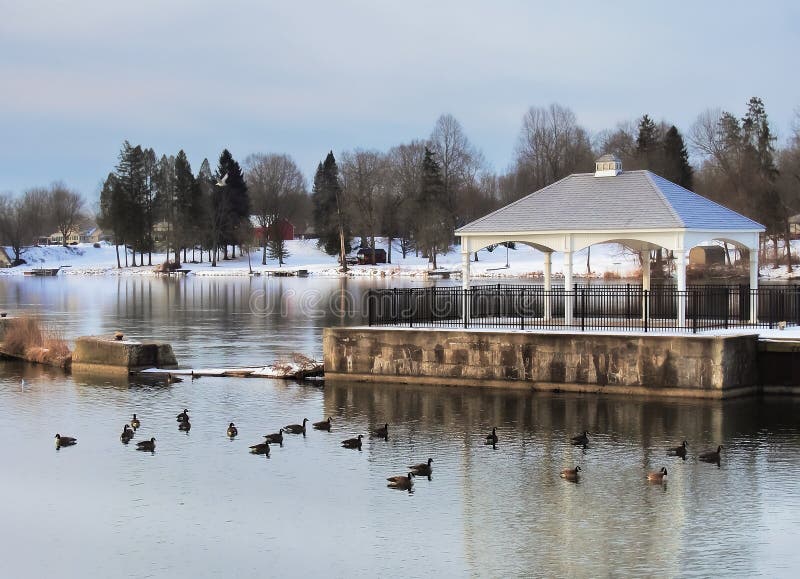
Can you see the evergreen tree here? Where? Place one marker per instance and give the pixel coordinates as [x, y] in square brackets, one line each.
[648, 145]
[112, 212]
[330, 219]
[131, 179]
[276, 246]
[188, 210]
[676, 159]
[234, 202]
[434, 223]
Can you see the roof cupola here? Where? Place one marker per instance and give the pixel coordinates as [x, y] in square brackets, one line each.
[607, 166]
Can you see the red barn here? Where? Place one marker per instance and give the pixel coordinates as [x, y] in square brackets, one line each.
[285, 230]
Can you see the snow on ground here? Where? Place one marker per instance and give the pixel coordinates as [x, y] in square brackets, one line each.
[84, 259]
[608, 259]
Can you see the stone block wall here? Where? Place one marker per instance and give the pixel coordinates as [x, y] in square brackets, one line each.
[574, 361]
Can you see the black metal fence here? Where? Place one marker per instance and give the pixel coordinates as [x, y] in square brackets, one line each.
[618, 307]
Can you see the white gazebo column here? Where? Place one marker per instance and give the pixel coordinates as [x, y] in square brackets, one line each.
[753, 285]
[465, 269]
[548, 283]
[680, 271]
[568, 287]
[645, 253]
[464, 281]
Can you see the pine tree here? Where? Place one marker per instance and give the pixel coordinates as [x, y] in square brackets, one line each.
[276, 246]
[434, 225]
[676, 159]
[648, 152]
[330, 219]
[236, 202]
[187, 205]
[131, 177]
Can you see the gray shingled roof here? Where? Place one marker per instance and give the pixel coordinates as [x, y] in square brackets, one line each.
[632, 200]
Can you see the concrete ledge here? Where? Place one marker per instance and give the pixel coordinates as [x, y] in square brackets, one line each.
[106, 354]
[561, 387]
[673, 365]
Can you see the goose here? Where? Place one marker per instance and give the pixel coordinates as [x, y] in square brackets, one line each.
[382, 432]
[222, 181]
[581, 439]
[678, 450]
[424, 468]
[135, 424]
[185, 426]
[658, 476]
[324, 425]
[260, 448]
[492, 438]
[296, 428]
[127, 434]
[710, 455]
[183, 416]
[401, 482]
[149, 445]
[571, 473]
[232, 430]
[65, 441]
[353, 442]
[275, 437]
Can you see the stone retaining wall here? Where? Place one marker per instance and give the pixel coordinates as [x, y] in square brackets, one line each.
[672, 365]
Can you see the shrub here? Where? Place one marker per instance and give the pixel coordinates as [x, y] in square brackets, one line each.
[26, 338]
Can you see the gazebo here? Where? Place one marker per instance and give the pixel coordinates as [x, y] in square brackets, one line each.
[637, 209]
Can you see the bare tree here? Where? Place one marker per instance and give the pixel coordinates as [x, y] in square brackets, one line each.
[364, 182]
[67, 209]
[405, 168]
[551, 146]
[277, 189]
[460, 161]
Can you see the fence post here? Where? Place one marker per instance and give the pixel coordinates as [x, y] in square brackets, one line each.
[727, 305]
[369, 307]
[411, 316]
[646, 310]
[465, 304]
[583, 309]
[694, 311]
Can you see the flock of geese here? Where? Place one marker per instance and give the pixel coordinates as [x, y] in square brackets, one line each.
[658, 476]
[402, 482]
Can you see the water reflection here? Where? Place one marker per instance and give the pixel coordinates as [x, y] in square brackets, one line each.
[197, 504]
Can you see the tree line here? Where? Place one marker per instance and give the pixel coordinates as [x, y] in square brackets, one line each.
[417, 193]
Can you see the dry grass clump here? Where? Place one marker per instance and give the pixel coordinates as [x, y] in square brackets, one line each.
[27, 338]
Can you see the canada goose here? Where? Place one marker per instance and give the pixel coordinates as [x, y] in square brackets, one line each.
[296, 428]
[423, 468]
[194, 376]
[401, 482]
[710, 455]
[276, 437]
[183, 416]
[382, 432]
[135, 424]
[232, 430]
[581, 439]
[185, 426]
[658, 476]
[571, 473]
[678, 450]
[260, 448]
[127, 434]
[353, 442]
[149, 445]
[492, 438]
[324, 425]
[65, 441]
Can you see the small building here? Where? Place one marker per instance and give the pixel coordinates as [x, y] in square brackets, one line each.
[284, 226]
[794, 226]
[705, 255]
[94, 235]
[73, 238]
[364, 256]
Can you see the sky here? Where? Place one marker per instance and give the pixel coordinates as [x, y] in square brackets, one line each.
[306, 77]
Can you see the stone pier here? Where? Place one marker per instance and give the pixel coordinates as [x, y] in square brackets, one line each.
[667, 365]
[106, 354]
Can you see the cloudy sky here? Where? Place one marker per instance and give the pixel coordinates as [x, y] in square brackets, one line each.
[304, 77]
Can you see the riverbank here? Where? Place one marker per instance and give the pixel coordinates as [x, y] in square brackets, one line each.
[604, 262]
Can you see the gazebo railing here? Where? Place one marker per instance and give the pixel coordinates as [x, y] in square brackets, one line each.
[587, 308]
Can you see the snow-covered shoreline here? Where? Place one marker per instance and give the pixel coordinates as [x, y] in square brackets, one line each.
[607, 261]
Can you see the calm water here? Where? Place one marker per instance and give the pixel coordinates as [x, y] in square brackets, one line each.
[202, 506]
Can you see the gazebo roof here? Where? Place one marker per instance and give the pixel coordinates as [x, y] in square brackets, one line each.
[632, 200]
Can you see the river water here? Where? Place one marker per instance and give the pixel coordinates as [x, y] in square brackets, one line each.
[202, 506]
